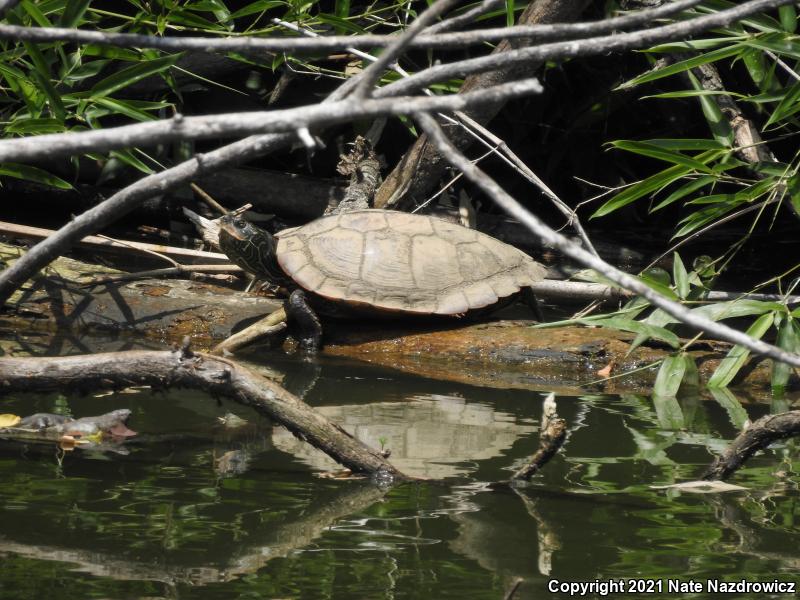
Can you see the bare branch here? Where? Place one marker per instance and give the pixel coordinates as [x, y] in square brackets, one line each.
[585, 47]
[372, 73]
[536, 226]
[328, 43]
[238, 124]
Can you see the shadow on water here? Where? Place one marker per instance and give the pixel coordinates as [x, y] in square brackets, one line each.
[194, 508]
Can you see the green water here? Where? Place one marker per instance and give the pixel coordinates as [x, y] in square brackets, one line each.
[190, 509]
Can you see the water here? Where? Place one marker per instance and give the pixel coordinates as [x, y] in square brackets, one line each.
[190, 509]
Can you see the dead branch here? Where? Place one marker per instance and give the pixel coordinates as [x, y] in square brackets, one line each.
[579, 48]
[182, 368]
[273, 324]
[758, 436]
[247, 123]
[421, 168]
[537, 227]
[552, 434]
[259, 45]
[107, 244]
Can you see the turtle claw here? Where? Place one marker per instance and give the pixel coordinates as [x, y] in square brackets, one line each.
[309, 328]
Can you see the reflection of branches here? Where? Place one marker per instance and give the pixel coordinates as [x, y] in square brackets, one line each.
[281, 540]
[757, 436]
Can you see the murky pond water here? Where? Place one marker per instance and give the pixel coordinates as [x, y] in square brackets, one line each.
[192, 509]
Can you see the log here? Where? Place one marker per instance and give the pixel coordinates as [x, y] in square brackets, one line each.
[183, 368]
[493, 353]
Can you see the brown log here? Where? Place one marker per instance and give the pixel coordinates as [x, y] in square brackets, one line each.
[758, 436]
[218, 377]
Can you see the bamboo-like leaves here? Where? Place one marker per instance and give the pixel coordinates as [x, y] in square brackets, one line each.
[736, 357]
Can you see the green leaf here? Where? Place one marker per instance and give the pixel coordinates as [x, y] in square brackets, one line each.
[73, 12]
[788, 17]
[642, 188]
[680, 277]
[654, 151]
[684, 65]
[691, 144]
[685, 190]
[126, 108]
[736, 412]
[130, 159]
[35, 13]
[34, 174]
[717, 122]
[670, 375]
[509, 12]
[257, 7]
[624, 324]
[730, 365]
[131, 75]
[35, 126]
[788, 105]
[789, 341]
[342, 8]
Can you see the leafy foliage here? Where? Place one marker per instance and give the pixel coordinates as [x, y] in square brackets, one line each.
[714, 180]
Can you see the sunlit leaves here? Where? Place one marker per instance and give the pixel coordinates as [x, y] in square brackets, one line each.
[736, 357]
[34, 174]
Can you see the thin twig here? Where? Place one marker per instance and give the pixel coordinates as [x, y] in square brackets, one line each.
[373, 72]
[208, 199]
[333, 43]
[579, 48]
[548, 235]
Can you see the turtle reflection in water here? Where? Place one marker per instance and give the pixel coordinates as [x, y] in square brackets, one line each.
[379, 263]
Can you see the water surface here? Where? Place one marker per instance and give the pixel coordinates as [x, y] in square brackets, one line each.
[191, 509]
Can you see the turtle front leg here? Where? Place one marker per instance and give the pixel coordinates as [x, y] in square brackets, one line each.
[309, 328]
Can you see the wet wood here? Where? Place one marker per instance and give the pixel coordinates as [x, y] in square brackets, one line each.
[516, 354]
[497, 353]
[183, 368]
[758, 436]
[59, 300]
[551, 438]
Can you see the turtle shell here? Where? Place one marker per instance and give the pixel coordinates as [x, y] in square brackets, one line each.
[402, 262]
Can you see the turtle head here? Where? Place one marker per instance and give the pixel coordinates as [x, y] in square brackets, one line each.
[238, 228]
[250, 247]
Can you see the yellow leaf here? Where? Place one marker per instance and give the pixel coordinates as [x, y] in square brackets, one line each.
[9, 420]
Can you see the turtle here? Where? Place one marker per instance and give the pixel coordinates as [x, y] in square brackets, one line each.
[379, 263]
